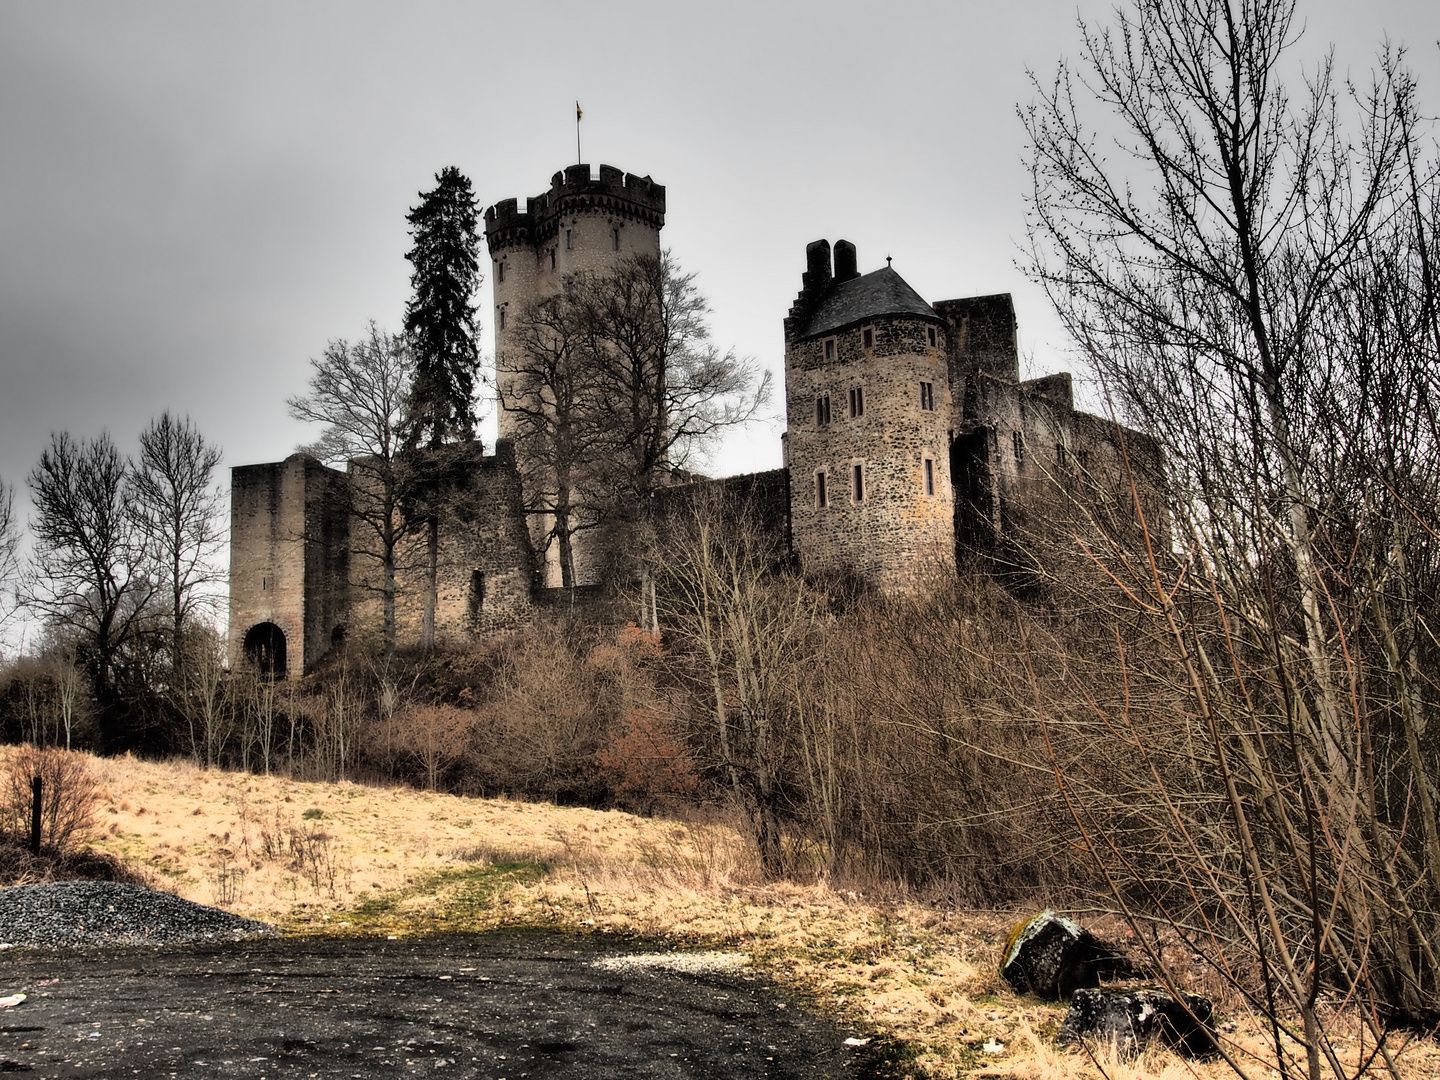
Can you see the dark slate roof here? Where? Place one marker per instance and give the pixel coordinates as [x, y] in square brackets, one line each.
[880, 292]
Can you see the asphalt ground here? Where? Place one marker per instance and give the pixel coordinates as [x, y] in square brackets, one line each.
[502, 1005]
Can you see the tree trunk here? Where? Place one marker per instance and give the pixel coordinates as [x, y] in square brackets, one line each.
[432, 573]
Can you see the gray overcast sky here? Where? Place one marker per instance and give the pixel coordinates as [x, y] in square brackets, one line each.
[195, 197]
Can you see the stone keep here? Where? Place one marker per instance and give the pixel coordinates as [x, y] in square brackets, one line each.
[868, 409]
[583, 225]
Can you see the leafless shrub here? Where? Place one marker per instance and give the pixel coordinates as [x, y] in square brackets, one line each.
[68, 797]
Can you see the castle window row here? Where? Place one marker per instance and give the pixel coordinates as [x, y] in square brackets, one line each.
[857, 403]
[857, 482]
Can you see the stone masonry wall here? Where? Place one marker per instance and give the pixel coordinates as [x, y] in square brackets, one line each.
[897, 527]
[287, 556]
[485, 570]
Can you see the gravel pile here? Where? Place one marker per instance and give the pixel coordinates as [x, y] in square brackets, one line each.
[65, 913]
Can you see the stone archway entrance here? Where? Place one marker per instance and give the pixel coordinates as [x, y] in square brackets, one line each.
[265, 649]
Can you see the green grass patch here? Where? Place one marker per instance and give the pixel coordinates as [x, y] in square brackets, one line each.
[463, 898]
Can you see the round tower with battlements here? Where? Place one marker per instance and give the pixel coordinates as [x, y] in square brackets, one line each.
[584, 224]
[868, 413]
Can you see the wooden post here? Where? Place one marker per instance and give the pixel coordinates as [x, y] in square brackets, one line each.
[36, 802]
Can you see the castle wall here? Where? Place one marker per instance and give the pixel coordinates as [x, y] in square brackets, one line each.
[288, 557]
[485, 572]
[896, 527]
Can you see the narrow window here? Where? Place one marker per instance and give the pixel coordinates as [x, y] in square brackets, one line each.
[1017, 443]
[857, 483]
[614, 239]
[1082, 458]
[821, 499]
[927, 396]
[502, 318]
[867, 336]
[930, 334]
[822, 410]
[830, 348]
[569, 240]
[1060, 455]
[929, 476]
[552, 258]
[500, 270]
[477, 594]
[857, 402]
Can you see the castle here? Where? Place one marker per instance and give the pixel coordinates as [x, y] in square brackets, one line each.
[910, 437]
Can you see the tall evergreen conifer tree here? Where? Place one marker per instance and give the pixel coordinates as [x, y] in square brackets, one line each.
[440, 317]
[440, 323]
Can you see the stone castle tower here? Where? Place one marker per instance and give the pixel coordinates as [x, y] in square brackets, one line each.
[868, 408]
[583, 224]
[912, 438]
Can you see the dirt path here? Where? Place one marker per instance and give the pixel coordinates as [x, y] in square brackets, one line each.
[503, 1005]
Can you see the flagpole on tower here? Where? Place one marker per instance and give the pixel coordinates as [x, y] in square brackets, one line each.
[578, 159]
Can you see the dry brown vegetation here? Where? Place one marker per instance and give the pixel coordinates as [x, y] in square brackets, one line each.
[351, 859]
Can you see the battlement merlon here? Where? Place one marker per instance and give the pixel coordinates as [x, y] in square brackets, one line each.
[574, 190]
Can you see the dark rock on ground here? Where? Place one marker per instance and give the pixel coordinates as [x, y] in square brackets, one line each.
[1131, 1018]
[1051, 957]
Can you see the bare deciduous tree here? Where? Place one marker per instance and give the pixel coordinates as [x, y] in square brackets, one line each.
[9, 551]
[178, 511]
[548, 386]
[667, 390]
[90, 569]
[1249, 273]
[749, 631]
[357, 394]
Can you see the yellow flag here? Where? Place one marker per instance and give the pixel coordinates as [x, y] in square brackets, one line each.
[578, 113]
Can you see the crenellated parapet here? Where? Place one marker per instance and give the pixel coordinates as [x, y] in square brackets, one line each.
[575, 191]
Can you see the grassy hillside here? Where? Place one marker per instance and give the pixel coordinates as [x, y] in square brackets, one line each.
[347, 859]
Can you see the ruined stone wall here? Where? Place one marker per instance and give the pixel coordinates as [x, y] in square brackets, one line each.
[485, 569]
[288, 556]
[1033, 474]
[897, 526]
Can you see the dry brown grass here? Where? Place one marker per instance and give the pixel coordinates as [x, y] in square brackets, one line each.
[402, 861]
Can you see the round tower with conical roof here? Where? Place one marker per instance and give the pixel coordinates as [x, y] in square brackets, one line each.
[868, 414]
